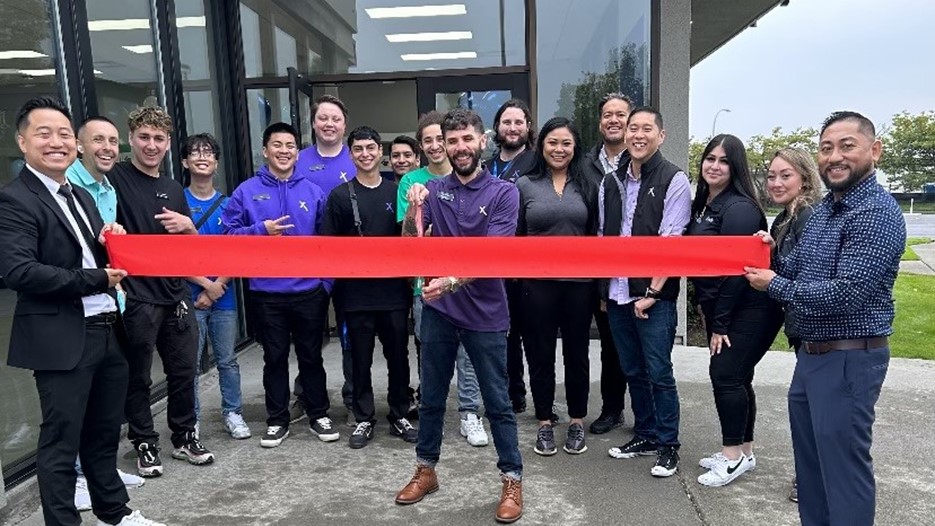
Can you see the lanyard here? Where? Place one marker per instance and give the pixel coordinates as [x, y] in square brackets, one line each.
[506, 169]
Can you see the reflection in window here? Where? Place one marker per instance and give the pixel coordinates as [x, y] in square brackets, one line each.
[122, 43]
[364, 36]
[264, 107]
[585, 49]
[485, 103]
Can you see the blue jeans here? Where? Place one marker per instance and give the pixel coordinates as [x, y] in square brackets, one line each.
[468, 390]
[221, 327]
[831, 412]
[645, 348]
[487, 350]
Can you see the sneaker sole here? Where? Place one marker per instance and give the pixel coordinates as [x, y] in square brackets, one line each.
[631, 455]
[394, 433]
[574, 451]
[662, 473]
[195, 461]
[723, 482]
[155, 471]
[544, 453]
[408, 502]
[326, 438]
[359, 445]
[273, 443]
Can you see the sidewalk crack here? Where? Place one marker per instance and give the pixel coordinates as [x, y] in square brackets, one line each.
[691, 498]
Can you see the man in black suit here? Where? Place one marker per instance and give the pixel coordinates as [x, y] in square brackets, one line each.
[65, 322]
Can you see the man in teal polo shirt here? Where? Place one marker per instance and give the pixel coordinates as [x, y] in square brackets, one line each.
[98, 146]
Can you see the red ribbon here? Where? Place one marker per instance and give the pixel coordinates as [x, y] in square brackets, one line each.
[467, 257]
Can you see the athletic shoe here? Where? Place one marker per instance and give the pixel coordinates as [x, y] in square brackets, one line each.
[361, 436]
[274, 436]
[574, 442]
[134, 519]
[148, 463]
[606, 423]
[667, 462]
[709, 462]
[82, 496]
[324, 430]
[297, 411]
[724, 471]
[193, 451]
[403, 429]
[131, 481]
[236, 426]
[634, 448]
[472, 428]
[545, 441]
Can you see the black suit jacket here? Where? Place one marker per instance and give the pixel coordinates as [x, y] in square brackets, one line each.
[42, 263]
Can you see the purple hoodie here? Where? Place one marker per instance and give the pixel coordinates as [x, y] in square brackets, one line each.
[264, 197]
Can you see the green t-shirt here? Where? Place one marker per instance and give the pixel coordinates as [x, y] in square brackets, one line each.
[421, 176]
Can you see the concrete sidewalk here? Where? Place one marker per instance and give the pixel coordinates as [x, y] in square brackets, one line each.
[305, 481]
[926, 263]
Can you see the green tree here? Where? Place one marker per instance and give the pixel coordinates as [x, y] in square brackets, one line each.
[909, 150]
[762, 148]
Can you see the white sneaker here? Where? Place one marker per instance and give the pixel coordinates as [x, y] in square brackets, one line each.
[709, 462]
[724, 471]
[131, 481]
[82, 496]
[134, 519]
[236, 426]
[472, 428]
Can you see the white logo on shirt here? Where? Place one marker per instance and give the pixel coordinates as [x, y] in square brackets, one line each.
[483, 211]
[652, 191]
[344, 176]
[303, 206]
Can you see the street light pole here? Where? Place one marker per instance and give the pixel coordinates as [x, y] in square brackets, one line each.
[714, 124]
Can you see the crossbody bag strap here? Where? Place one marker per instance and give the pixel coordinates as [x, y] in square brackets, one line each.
[207, 215]
[354, 207]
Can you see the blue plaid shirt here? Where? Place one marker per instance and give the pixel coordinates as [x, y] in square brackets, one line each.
[839, 278]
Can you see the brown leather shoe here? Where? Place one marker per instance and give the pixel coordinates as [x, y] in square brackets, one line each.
[422, 483]
[510, 508]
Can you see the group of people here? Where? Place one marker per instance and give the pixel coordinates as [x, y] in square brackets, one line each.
[834, 260]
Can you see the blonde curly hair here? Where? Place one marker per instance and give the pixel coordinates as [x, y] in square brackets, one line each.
[151, 116]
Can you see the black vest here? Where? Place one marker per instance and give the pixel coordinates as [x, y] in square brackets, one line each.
[655, 176]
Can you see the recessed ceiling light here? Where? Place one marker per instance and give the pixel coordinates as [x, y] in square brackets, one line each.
[25, 53]
[140, 49]
[128, 24]
[439, 56]
[430, 37]
[416, 11]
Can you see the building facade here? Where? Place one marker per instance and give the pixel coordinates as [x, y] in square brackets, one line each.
[233, 67]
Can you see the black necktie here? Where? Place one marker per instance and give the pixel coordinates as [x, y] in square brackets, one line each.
[66, 191]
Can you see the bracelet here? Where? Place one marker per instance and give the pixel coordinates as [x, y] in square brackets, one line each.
[651, 293]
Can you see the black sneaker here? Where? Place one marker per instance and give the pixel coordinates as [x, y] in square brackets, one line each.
[545, 441]
[274, 436]
[574, 443]
[606, 422]
[634, 448]
[667, 462]
[324, 430]
[361, 435]
[148, 463]
[297, 411]
[193, 451]
[403, 429]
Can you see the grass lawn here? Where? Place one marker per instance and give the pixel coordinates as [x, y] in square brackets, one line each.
[914, 327]
[909, 254]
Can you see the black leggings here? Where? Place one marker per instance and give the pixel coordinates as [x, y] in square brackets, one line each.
[547, 306]
[751, 332]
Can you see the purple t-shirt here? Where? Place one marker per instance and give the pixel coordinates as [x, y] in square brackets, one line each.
[326, 172]
[483, 207]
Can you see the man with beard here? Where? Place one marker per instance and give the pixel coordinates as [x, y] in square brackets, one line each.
[404, 156]
[159, 315]
[472, 312]
[516, 137]
[432, 140]
[839, 282]
[609, 159]
[277, 201]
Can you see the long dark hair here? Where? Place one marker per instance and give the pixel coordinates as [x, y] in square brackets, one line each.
[740, 179]
[576, 174]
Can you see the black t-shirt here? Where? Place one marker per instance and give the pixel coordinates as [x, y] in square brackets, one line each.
[139, 198]
[377, 208]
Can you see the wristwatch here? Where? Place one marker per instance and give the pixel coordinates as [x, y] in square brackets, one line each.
[453, 284]
[651, 293]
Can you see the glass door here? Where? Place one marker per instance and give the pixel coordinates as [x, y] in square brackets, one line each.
[300, 105]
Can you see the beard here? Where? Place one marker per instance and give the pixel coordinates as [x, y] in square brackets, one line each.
[470, 168]
[511, 145]
[857, 174]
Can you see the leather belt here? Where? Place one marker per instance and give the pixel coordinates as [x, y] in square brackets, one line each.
[857, 344]
[105, 319]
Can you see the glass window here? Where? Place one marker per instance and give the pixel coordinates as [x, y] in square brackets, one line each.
[126, 72]
[264, 107]
[485, 103]
[585, 49]
[365, 36]
[28, 68]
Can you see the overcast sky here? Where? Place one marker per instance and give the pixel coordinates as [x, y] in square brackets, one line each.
[812, 57]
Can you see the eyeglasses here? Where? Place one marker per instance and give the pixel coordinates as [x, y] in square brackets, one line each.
[205, 153]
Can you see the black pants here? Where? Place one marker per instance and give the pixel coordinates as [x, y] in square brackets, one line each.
[751, 333]
[175, 337]
[550, 305]
[514, 342]
[82, 410]
[613, 381]
[391, 327]
[299, 319]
